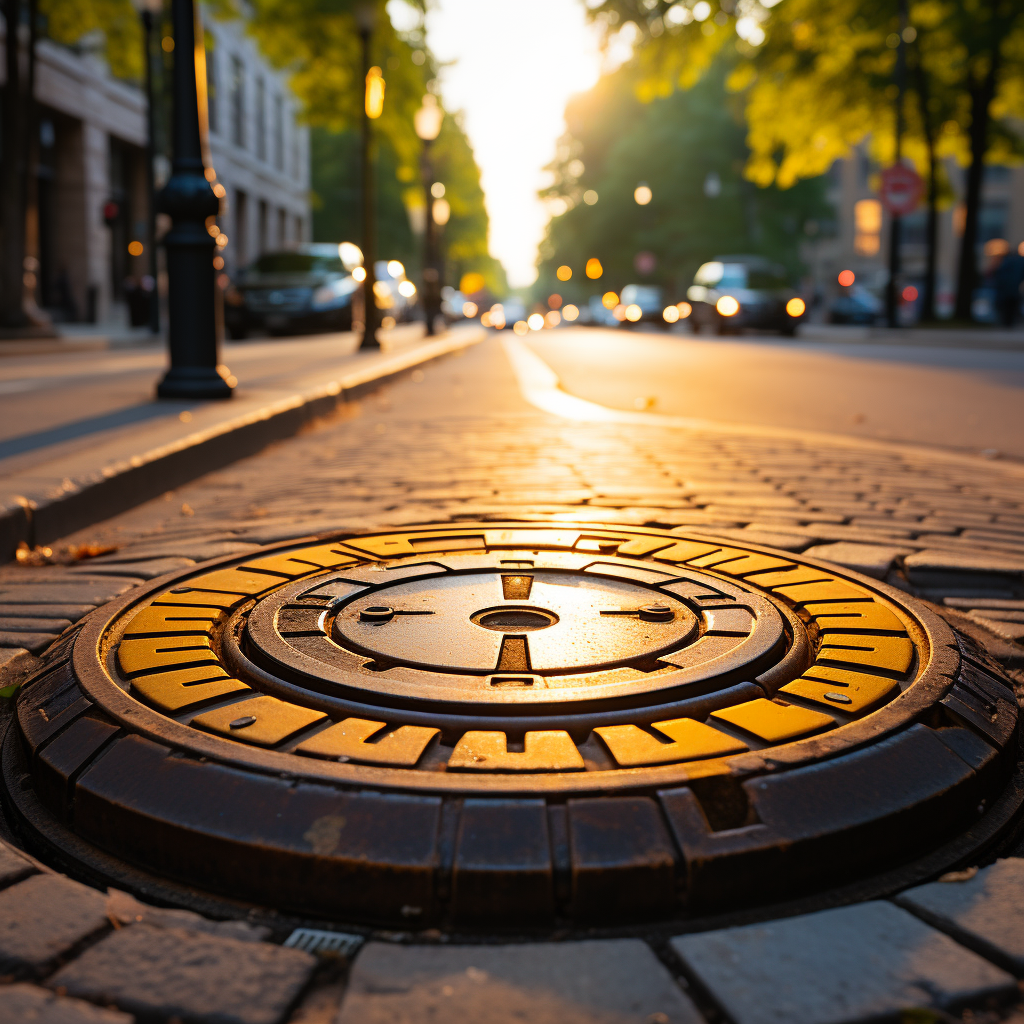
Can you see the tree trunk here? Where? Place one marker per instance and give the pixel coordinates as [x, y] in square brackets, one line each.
[13, 176]
[928, 313]
[981, 98]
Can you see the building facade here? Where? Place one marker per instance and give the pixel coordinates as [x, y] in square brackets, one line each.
[87, 236]
[858, 239]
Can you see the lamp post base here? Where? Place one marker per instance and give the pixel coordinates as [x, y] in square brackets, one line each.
[194, 382]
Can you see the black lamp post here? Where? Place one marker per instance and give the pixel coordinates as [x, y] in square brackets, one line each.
[147, 9]
[427, 122]
[366, 19]
[188, 198]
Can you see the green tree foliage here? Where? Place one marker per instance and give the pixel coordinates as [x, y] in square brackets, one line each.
[817, 79]
[334, 157]
[681, 146]
[113, 24]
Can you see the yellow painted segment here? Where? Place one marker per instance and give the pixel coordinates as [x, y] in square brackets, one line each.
[263, 721]
[774, 723]
[202, 599]
[236, 581]
[843, 615]
[853, 692]
[295, 563]
[684, 551]
[154, 653]
[348, 739]
[173, 621]
[174, 692]
[891, 653]
[825, 590]
[740, 564]
[773, 579]
[644, 545]
[548, 751]
[632, 747]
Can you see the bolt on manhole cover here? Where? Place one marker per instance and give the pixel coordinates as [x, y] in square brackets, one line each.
[506, 723]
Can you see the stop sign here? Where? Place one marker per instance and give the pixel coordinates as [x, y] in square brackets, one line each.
[901, 189]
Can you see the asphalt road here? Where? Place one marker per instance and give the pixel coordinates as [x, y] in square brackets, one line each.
[970, 400]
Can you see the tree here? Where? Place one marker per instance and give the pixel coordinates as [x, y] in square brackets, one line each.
[689, 149]
[817, 80]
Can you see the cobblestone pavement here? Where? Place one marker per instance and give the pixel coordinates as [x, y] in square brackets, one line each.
[456, 440]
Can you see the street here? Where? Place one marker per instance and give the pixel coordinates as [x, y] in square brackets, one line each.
[963, 399]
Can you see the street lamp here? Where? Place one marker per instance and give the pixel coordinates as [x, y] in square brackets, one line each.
[366, 21]
[427, 122]
[189, 199]
[147, 10]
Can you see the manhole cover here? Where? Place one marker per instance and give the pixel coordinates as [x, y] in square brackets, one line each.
[507, 723]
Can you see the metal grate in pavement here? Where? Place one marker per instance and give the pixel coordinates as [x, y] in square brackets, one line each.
[320, 942]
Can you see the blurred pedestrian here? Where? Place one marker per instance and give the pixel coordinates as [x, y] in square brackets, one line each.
[1007, 278]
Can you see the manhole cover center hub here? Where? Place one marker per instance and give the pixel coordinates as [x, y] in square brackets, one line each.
[515, 620]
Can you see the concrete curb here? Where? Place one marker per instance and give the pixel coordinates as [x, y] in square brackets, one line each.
[107, 490]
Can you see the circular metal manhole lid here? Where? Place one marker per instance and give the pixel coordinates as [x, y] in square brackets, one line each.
[504, 722]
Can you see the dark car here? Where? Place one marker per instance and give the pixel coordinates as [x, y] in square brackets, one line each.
[732, 292]
[856, 305]
[308, 288]
[643, 303]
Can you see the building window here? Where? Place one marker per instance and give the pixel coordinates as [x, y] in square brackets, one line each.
[867, 223]
[213, 122]
[261, 119]
[299, 227]
[264, 226]
[279, 133]
[282, 228]
[241, 238]
[237, 102]
[296, 154]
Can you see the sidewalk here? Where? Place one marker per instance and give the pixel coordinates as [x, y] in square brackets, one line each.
[120, 446]
[940, 337]
[475, 436]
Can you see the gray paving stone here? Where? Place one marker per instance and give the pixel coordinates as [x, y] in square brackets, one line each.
[60, 590]
[34, 643]
[614, 981]
[71, 612]
[146, 569]
[842, 966]
[44, 917]
[14, 662]
[935, 560]
[13, 866]
[1007, 630]
[126, 909]
[27, 1004]
[871, 559]
[200, 979]
[21, 624]
[985, 912]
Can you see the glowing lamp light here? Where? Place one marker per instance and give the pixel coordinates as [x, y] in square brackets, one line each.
[570, 313]
[407, 288]
[521, 327]
[796, 307]
[471, 283]
[396, 268]
[670, 314]
[594, 268]
[563, 273]
[469, 310]
[609, 300]
[909, 293]
[535, 321]
[485, 319]
[359, 274]
[553, 318]
[135, 249]
[221, 240]
[442, 212]
[727, 306]
[633, 312]
[642, 194]
[374, 92]
[590, 197]
[427, 120]
[350, 255]
[619, 312]
[846, 278]
[685, 309]
[555, 301]
[437, 190]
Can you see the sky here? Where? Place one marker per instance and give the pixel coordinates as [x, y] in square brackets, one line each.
[516, 63]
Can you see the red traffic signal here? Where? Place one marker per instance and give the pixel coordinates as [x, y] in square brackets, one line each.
[111, 211]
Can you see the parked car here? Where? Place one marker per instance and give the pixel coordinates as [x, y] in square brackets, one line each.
[648, 299]
[304, 289]
[732, 292]
[857, 305]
